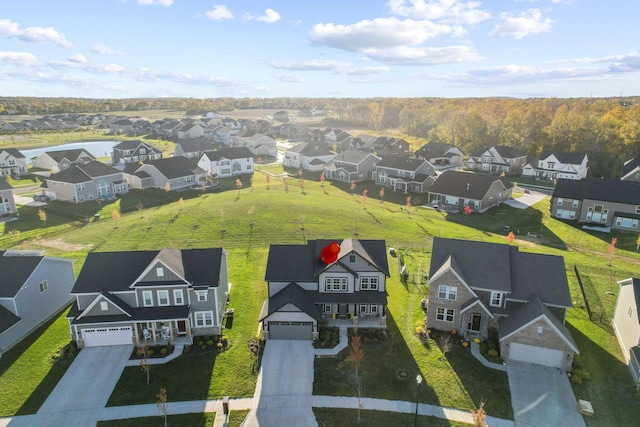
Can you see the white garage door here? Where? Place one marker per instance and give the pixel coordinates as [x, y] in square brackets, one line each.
[107, 336]
[533, 354]
[290, 330]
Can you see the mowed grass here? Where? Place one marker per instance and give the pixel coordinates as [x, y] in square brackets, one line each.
[333, 417]
[247, 220]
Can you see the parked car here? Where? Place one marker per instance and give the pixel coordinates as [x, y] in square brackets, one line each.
[41, 198]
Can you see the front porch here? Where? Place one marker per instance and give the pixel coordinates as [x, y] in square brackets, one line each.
[163, 332]
[350, 321]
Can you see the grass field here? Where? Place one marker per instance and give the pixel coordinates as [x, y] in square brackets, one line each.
[246, 221]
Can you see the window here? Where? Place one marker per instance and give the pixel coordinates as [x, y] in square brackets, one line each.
[201, 295]
[159, 271]
[327, 308]
[496, 299]
[178, 297]
[147, 298]
[363, 308]
[539, 329]
[374, 308]
[447, 292]
[368, 283]
[43, 286]
[104, 306]
[143, 151]
[551, 165]
[81, 187]
[559, 201]
[445, 314]
[338, 284]
[163, 297]
[638, 209]
[352, 258]
[204, 318]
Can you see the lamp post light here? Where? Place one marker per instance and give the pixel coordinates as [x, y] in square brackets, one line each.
[418, 382]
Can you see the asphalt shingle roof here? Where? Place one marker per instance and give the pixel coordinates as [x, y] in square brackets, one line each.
[228, 153]
[176, 167]
[14, 272]
[401, 163]
[609, 190]
[466, 184]
[86, 172]
[71, 155]
[566, 158]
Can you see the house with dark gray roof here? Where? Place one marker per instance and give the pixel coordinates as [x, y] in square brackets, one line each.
[309, 156]
[12, 162]
[134, 152]
[33, 289]
[405, 174]
[57, 161]
[192, 148]
[82, 182]
[626, 324]
[491, 290]
[469, 192]
[227, 162]
[389, 146]
[631, 170]
[557, 165]
[497, 160]
[154, 297]
[340, 282]
[598, 202]
[441, 155]
[173, 173]
[351, 166]
[7, 202]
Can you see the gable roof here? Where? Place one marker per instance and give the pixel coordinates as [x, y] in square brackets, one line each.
[508, 152]
[630, 165]
[116, 271]
[291, 294]
[14, 272]
[86, 172]
[4, 185]
[134, 144]
[565, 158]
[228, 153]
[13, 152]
[71, 155]
[635, 287]
[401, 163]
[608, 190]
[195, 144]
[175, 167]
[311, 149]
[434, 149]
[353, 156]
[468, 185]
[7, 319]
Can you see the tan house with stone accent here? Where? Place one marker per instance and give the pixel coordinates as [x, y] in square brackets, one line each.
[490, 290]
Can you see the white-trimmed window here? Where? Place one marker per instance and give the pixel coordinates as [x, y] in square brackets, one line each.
[43, 286]
[147, 298]
[374, 308]
[335, 284]
[163, 297]
[363, 308]
[104, 306]
[559, 201]
[203, 318]
[201, 295]
[178, 297]
[327, 308]
[575, 203]
[159, 271]
[496, 299]
[447, 292]
[445, 314]
[369, 283]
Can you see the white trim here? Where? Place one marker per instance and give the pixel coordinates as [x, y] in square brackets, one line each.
[94, 302]
[550, 323]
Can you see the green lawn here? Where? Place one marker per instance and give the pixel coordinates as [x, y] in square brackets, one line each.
[245, 221]
[330, 417]
[182, 420]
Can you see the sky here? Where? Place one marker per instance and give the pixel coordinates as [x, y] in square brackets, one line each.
[319, 49]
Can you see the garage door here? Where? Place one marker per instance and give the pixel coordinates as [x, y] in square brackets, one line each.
[533, 354]
[290, 330]
[107, 336]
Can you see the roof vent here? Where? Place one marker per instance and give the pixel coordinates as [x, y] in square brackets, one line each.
[468, 185]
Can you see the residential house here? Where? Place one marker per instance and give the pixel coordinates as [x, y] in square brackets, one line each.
[121, 126]
[363, 141]
[12, 162]
[458, 190]
[170, 128]
[57, 161]
[337, 138]
[153, 297]
[307, 156]
[441, 155]
[134, 152]
[405, 174]
[351, 166]
[341, 281]
[600, 202]
[193, 148]
[631, 170]
[556, 165]
[626, 323]
[224, 134]
[259, 144]
[7, 201]
[498, 160]
[281, 116]
[33, 289]
[491, 290]
[88, 181]
[386, 146]
[173, 173]
[191, 131]
[227, 162]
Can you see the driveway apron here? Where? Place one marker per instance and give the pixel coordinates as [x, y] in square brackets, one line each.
[283, 395]
[541, 396]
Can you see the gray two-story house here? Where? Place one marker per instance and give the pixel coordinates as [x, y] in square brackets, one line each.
[12, 162]
[405, 174]
[7, 201]
[134, 152]
[82, 182]
[153, 297]
[351, 166]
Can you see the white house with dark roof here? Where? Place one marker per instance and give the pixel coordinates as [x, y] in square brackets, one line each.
[631, 170]
[82, 182]
[134, 152]
[405, 174]
[12, 162]
[7, 202]
[457, 190]
[305, 289]
[441, 155]
[227, 162]
[158, 297]
[172, 173]
[57, 161]
[497, 160]
[351, 166]
[33, 288]
[193, 130]
[309, 156]
[491, 290]
[557, 165]
[626, 324]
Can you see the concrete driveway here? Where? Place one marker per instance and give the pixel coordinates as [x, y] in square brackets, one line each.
[541, 396]
[283, 395]
[526, 200]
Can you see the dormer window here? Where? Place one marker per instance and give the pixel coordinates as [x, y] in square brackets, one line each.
[496, 299]
[159, 271]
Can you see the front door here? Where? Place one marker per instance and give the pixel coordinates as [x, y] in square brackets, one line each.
[475, 322]
[182, 327]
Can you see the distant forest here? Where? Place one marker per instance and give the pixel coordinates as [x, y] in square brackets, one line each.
[607, 129]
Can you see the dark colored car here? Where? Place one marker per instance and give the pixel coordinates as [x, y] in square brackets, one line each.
[41, 198]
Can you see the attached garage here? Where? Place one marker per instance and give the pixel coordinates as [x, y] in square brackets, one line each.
[538, 355]
[290, 330]
[96, 337]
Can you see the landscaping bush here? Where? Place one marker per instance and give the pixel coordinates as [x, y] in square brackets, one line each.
[209, 342]
[164, 351]
[492, 345]
[186, 349]
[203, 347]
[150, 352]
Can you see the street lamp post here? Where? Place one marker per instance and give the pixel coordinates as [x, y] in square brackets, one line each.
[418, 382]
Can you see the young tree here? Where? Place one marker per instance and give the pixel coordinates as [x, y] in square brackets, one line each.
[302, 185]
[167, 187]
[162, 404]
[145, 365]
[353, 187]
[364, 196]
[181, 203]
[42, 214]
[268, 181]
[322, 178]
[612, 248]
[115, 215]
[511, 237]
[381, 193]
[239, 187]
[638, 243]
[479, 416]
[357, 357]
[408, 205]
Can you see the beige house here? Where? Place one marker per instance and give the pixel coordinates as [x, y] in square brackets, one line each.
[626, 323]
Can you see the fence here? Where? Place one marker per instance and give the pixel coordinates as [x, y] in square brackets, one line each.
[592, 301]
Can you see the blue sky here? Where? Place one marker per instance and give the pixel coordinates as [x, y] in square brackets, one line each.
[348, 48]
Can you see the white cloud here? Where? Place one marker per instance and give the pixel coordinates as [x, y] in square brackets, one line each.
[79, 58]
[102, 49]
[85, 66]
[218, 12]
[363, 71]
[405, 55]
[23, 59]
[164, 3]
[524, 24]
[270, 16]
[290, 78]
[38, 35]
[313, 65]
[460, 12]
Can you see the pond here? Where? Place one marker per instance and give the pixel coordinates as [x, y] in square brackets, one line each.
[95, 148]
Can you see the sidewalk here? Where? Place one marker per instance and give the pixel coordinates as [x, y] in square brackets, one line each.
[328, 352]
[177, 352]
[475, 351]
